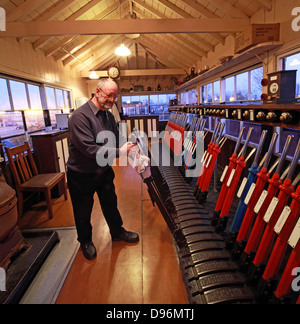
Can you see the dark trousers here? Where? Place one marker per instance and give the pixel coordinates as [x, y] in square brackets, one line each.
[82, 188]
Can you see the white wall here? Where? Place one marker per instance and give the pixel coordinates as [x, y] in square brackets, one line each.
[280, 13]
[20, 60]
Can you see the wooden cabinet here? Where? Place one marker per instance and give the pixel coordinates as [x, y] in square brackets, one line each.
[51, 151]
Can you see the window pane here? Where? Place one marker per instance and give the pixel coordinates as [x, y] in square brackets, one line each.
[11, 123]
[209, 93]
[194, 97]
[126, 99]
[229, 87]
[51, 103]
[35, 97]
[203, 94]
[15, 141]
[293, 63]
[67, 99]
[19, 95]
[154, 99]
[59, 99]
[162, 99]
[242, 86]
[217, 91]
[34, 120]
[256, 76]
[53, 114]
[4, 102]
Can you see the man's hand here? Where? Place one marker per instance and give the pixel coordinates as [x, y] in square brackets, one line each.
[125, 149]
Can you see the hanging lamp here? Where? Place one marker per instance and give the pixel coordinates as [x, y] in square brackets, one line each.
[122, 50]
[94, 76]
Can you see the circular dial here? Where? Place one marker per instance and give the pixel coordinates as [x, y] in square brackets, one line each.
[274, 87]
[113, 72]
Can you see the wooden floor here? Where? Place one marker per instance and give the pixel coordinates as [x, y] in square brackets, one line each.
[143, 273]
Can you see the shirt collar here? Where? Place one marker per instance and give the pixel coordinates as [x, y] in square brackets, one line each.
[93, 107]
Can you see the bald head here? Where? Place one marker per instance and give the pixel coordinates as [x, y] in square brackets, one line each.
[106, 82]
[106, 94]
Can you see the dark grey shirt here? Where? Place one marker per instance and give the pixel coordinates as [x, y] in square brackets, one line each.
[92, 148]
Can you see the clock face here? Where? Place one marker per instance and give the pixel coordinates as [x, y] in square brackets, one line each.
[274, 87]
[113, 72]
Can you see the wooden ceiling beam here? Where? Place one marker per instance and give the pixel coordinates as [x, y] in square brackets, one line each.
[143, 72]
[124, 26]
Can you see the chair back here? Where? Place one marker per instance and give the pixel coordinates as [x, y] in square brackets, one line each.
[21, 163]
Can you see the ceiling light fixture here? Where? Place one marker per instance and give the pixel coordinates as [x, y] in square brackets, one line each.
[122, 51]
[94, 76]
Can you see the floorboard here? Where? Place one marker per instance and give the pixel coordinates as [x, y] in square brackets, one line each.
[144, 273]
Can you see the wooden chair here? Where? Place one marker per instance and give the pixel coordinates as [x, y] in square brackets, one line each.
[26, 176]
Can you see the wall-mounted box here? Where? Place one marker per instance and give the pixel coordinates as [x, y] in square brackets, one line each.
[256, 34]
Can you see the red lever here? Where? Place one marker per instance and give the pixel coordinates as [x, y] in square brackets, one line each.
[281, 244]
[259, 224]
[268, 237]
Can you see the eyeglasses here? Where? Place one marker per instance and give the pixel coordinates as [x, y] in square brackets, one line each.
[109, 97]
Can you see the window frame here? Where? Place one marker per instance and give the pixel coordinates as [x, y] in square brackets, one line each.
[248, 70]
[66, 95]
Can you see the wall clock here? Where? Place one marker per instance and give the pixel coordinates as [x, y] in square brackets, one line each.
[113, 72]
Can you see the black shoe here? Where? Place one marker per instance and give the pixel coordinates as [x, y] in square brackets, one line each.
[126, 236]
[89, 251]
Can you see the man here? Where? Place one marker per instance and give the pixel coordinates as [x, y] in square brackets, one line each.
[86, 175]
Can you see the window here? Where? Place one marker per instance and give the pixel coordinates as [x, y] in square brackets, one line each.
[256, 76]
[216, 91]
[292, 62]
[11, 124]
[159, 105]
[244, 86]
[51, 100]
[52, 115]
[4, 102]
[19, 95]
[34, 120]
[211, 92]
[135, 105]
[67, 99]
[230, 86]
[193, 97]
[21, 109]
[60, 99]
[57, 98]
[35, 97]
[156, 104]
